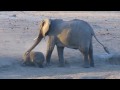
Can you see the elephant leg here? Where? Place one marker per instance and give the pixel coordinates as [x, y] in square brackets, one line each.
[50, 47]
[91, 55]
[85, 54]
[60, 55]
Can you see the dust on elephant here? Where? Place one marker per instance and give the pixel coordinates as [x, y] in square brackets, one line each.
[75, 34]
[34, 59]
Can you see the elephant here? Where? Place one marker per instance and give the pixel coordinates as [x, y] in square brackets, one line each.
[34, 59]
[75, 34]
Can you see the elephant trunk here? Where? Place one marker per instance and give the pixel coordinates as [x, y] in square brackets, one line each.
[36, 42]
[44, 27]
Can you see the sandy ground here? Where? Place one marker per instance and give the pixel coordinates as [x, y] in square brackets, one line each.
[19, 28]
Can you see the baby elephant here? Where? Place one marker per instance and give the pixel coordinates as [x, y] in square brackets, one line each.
[34, 59]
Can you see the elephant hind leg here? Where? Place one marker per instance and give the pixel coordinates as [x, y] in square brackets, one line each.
[85, 52]
[91, 55]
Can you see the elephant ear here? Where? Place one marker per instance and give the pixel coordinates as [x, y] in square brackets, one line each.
[45, 26]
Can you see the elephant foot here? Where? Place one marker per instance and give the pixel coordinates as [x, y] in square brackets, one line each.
[86, 66]
[48, 64]
[92, 65]
[41, 66]
[61, 65]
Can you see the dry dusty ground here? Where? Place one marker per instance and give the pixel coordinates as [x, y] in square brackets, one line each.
[18, 29]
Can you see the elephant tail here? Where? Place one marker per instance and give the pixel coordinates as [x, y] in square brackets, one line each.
[105, 48]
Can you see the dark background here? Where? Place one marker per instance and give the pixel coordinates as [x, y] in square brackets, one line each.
[59, 5]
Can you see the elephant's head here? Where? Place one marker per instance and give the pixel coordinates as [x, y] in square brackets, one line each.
[44, 28]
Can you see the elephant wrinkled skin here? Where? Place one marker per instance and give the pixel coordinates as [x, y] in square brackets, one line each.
[76, 34]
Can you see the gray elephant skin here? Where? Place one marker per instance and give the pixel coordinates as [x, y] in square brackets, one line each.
[75, 34]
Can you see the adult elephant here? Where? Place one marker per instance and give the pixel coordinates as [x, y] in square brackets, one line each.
[76, 34]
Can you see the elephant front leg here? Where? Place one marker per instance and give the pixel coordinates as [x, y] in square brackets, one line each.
[50, 47]
[60, 55]
[48, 56]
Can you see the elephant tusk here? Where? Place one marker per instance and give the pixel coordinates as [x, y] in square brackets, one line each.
[35, 38]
